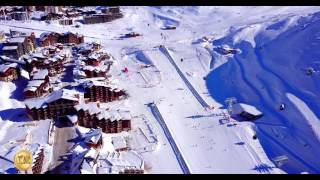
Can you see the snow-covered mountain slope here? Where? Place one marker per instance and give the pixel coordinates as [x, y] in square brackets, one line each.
[275, 47]
[272, 69]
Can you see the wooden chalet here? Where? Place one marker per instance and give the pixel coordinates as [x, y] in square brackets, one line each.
[38, 159]
[9, 72]
[56, 105]
[96, 46]
[39, 86]
[53, 64]
[100, 91]
[47, 39]
[19, 44]
[110, 121]
[69, 37]
[95, 58]
[65, 22]
[98, 18]
[91, 71]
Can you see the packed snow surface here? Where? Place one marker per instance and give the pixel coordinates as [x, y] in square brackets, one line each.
[262, 56]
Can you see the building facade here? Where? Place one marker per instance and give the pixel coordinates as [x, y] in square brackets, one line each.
[19, 44]
[98, 91]
[19, 16]
[47, 39]
[65, 22]
[56, 105]
[88, 120]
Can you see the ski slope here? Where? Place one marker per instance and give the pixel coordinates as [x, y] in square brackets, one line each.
[276, 45]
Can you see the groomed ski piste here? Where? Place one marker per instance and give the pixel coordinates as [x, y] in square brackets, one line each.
[274, 47]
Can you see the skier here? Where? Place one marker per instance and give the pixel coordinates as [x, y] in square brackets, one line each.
[282, 107]
[125, 70]
[181, 59]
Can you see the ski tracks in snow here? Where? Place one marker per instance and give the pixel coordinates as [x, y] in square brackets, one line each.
[265, 105]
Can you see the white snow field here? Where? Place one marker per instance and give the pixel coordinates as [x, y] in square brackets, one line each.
[275, 47]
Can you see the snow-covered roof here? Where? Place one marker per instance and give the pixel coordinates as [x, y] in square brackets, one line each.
[43, 35]
[80, 148]
[64, 94]
[40, 74]
[80, 81]
[8, 59]
[94, 56]
[35, 83]
[50, 60]
[115, 162]
[93, 136]
[77, 72]
[24, 34]
[24, 73]
[240, 107]
[84, 46]
[38, 55]
[5, 48]
[5, 67]
[90, 83]
[119, 142]
[99, 68]
[51, 47]
[107, 114]
[134, 159]
[17, 40]
[38, 14]
[92, 154]
[86, 168]
[30, 89]
[73, 118]
[72, 95]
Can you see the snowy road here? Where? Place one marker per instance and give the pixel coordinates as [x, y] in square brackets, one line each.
[63, 142]
[158, 116]
[165, 51]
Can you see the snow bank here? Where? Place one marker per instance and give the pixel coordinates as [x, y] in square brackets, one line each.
[248, 34]
[303, 108]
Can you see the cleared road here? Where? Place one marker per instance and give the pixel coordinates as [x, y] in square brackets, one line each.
[64, 139]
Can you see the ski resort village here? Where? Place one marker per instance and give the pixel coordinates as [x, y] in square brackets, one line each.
[160, 90]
